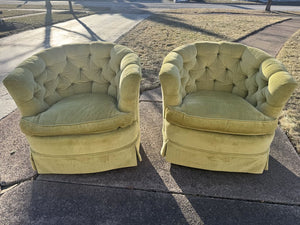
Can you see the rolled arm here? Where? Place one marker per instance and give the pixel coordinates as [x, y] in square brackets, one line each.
[129, 86]
[170, 79]
[22, 87]
[281, 85]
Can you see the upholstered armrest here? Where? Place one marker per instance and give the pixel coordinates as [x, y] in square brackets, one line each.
[129, 86]
[280, 86]
[22, 87]
[170, 79]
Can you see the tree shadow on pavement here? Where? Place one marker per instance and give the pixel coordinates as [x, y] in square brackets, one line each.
[268, 196]
[94, 36]
[277, 185]
[49, 25]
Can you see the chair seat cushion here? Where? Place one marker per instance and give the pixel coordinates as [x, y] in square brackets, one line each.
[220, 112]
[79, 114]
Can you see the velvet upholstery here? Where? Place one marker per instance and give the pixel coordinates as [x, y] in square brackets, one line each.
[221, 103]
[79, 106]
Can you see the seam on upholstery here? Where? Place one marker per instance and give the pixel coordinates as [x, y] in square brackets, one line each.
[87, 154]
[137, 149]
[243, 121]
[220, 132]
[220, 153]
[129, 114]
[32, 161]
[164, 148]
[171, 95]
[131, 63]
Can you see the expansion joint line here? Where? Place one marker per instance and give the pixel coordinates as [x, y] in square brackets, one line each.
[6, 186]
[176, 193]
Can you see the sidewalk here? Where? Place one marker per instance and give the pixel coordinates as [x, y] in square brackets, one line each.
[154, 192]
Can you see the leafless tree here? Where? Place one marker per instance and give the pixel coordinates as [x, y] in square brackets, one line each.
[268, 6]
[70, 6]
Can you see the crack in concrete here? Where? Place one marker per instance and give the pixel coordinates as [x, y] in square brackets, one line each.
[5, 186]
[177, 193]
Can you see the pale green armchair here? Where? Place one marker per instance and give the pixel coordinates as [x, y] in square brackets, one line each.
[221, 102]
[79, 106]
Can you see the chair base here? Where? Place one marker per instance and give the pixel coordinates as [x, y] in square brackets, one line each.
[82, 154]
[216, 151]
[202, 159]
[82, 164]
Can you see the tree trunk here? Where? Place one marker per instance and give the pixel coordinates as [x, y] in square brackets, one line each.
[71, 7]
[268, 6]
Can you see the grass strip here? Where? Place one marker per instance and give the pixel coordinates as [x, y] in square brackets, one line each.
[9, 13]
[32, 6]
[290, 116]
[15, 25]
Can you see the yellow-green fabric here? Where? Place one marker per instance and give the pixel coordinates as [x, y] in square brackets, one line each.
[217, 142]
[87, 153]
[83, 92]
[220, 112]
[223, 90]
[229, 67]
[78, 114]
[182, 155]
[215, 151]
[56, 73]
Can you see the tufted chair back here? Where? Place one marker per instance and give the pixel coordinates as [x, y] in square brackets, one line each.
[59, 72]
[229, 67]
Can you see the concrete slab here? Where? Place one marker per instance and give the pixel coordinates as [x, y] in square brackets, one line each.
[57, 203]
[281, 184]
[270, 40]
[151, 95]
[14, 152]
[38, 202]
[7, 104]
